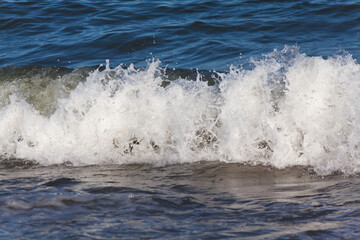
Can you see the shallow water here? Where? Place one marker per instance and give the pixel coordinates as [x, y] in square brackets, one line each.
[187, 201]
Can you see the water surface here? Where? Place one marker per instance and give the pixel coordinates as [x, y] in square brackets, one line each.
[208, 119]
[189, 201]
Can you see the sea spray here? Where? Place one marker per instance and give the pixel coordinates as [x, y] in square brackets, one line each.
[287, 109]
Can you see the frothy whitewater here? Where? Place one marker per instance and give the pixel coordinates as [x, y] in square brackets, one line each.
[283, 110]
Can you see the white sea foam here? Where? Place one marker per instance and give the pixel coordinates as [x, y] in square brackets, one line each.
[289, 109]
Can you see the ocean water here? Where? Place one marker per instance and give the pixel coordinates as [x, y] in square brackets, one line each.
[179, 119]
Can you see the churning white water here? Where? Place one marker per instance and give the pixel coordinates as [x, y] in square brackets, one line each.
[287, 109]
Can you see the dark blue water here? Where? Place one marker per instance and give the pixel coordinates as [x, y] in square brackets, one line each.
[68, 171]
[182, 34]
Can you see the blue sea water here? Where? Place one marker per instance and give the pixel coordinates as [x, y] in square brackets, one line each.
[184, 34]
[207, 120]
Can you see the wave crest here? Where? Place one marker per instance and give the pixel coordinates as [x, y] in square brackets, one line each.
[287, 109]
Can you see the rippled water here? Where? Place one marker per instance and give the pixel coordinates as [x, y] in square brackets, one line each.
[212, 120]
[190, 201]
[186, 34]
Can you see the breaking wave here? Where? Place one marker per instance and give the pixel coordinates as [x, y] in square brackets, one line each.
[285, 109]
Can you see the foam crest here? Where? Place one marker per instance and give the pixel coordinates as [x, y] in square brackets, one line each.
[116, 116]
[301, 111]
[288, 109]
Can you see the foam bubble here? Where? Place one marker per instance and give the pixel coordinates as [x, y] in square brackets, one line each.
[288, 109]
